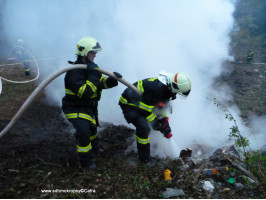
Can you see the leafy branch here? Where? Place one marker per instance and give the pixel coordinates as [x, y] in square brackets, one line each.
[240, 141]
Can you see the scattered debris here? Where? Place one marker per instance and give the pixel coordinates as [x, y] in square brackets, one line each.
[170, 192]
[239, 186]
[185, 154]
[208, 186]
[207, 172]
[231, 180]
[45, 178]
[167, 175]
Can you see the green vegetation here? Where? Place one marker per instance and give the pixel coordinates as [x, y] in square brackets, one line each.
[255, 159]
[257, 165]
[250, 26]
[241, 142]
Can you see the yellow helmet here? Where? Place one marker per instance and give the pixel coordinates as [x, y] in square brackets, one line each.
[179, 83]
[87, 44]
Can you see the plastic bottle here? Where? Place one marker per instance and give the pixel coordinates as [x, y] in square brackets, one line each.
[207, 172]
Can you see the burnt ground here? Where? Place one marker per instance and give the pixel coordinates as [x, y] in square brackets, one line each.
[39, 152]
[247, 81]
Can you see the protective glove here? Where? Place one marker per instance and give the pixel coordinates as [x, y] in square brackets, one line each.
[117, 75]
[166, 130]
[111, 82]
[156, 125]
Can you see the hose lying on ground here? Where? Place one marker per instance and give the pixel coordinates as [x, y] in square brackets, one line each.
[34, 94]
[37, 66]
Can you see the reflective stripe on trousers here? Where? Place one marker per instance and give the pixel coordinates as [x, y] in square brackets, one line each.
[86, 149]
[143, 140]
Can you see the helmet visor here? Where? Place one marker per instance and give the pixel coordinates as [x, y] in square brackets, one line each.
[175, 86]
[93, 52]
[97, 47]
[186, 93]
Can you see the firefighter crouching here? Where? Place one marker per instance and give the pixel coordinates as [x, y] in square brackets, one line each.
[83, 90]
[139, 110]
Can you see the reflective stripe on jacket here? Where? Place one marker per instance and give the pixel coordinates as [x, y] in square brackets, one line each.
[153, 92]
[80, 92]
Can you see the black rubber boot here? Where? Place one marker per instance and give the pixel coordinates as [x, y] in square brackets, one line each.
[96, 148]
[87, 161]
[88, 164]
[144, 152]
[27, 73]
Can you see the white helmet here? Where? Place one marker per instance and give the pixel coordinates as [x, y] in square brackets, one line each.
[179, 83]
[20, 42]
[87, 44]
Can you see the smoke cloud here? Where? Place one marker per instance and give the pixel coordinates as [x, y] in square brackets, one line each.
[139, 38]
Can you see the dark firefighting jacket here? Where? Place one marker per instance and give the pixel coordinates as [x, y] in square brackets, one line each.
[153, 92]
[250, 54]
[82, 96]
[21, 54]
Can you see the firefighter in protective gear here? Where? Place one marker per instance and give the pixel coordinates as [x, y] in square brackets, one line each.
[140, 110]
[22, 55]
[250, 56]
[83, 90]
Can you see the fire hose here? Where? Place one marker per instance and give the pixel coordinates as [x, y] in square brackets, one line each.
[50, 78]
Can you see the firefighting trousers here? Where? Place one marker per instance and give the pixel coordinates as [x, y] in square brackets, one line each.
[133, 116]
[27, 67]
[86, 138]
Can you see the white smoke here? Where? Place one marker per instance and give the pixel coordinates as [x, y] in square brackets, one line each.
[139, 38]
[257, 132]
